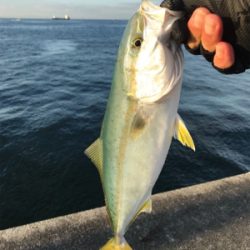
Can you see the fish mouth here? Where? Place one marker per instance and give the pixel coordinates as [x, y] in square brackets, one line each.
[152, 13]
[158, 16]
[149, 7]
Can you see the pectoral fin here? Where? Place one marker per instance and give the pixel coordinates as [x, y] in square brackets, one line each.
[94, 152]
[182, 134]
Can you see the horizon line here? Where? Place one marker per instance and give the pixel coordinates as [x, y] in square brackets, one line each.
[72, 19]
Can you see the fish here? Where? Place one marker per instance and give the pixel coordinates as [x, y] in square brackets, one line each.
[141, 117]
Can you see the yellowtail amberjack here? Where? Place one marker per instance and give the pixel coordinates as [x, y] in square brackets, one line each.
[141, 117]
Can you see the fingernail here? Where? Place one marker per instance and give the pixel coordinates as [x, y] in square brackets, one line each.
[198, 20]
[220, 53]
[210, 28]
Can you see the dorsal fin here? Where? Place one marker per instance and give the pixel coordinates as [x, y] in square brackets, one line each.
[95, 154]
[182, 134]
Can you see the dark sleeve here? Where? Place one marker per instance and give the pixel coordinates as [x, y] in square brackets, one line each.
[235, 15]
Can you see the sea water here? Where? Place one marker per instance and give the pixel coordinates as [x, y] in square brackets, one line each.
[55, 78]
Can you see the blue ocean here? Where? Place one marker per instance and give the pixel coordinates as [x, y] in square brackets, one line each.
[55, 77]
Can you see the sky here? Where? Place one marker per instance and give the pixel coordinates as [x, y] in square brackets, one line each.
[78, 9]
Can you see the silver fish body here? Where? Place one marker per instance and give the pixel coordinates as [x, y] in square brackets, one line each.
[141, 117]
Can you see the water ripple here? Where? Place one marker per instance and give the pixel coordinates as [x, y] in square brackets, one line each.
[55, 79]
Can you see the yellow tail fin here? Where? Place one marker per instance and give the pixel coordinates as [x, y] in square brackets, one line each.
[113, 245]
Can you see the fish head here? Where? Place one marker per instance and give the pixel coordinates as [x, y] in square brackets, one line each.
[152, 61]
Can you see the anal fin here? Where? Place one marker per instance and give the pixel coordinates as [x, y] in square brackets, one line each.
[147, 207]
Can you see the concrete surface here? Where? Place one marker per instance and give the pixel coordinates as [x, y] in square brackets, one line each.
[214, 215]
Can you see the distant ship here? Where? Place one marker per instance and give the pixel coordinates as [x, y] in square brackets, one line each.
[66, 17]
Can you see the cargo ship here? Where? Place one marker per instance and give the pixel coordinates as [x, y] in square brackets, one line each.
[66, 17]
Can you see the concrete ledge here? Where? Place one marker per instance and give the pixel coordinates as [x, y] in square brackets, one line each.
[213, 215]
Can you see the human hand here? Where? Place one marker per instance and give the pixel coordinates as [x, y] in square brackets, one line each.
[206, 30]
[217, 29]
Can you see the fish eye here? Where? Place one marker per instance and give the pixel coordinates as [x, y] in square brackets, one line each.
[137, 42]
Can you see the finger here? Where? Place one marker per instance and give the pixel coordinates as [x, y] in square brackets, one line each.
[195, 26]
[224, 55]
[212, 32]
